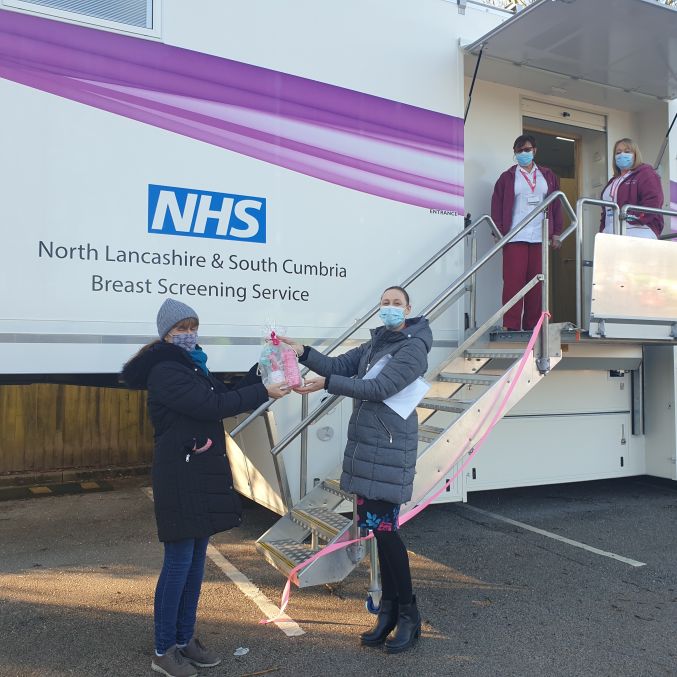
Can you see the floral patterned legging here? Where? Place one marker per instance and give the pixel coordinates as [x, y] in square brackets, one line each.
[382, 518]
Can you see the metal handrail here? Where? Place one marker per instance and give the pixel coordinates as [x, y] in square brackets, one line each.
[557, 195]
[438, 305]
[491, 322]
[370, 313]
[620, 217]
[328, 402]
[579, 246]
[639, 208]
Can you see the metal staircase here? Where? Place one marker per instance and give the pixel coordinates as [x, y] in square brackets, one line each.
[466, 388]
[456, 413]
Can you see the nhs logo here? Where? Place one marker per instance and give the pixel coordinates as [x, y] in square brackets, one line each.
[201, 213]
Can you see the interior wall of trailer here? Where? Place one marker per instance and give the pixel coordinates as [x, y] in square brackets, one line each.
[495, 120]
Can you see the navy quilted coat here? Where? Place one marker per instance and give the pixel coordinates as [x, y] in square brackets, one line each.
[193, 493]
[380, 456]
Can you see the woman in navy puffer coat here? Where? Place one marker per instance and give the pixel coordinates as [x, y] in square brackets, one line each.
[192, 482]
[380, 458]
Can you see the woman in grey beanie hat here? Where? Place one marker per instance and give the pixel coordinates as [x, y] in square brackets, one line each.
[192, 481]
[171, 313]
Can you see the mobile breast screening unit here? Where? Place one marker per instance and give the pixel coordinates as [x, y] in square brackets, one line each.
[288, 161]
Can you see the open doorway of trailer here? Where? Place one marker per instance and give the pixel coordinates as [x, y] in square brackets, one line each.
[578, 156]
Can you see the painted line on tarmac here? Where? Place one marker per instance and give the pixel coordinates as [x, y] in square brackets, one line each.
[557, 537]
[286, 624]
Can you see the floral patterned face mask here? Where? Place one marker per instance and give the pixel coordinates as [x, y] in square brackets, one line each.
[186, 341]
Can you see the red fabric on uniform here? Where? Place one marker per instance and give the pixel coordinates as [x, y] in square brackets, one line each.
[521, 262]
[503, 200]
[642, 187]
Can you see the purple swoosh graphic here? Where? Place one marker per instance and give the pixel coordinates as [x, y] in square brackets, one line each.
[673, 203]
[363, 142]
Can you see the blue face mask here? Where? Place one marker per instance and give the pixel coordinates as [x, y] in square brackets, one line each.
[185, 341]
[391, 316]
[624, 160]
[525, 158]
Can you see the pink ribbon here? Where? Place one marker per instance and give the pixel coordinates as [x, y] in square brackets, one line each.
[286, 593]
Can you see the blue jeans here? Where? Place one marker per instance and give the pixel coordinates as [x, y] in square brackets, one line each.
[178, 590]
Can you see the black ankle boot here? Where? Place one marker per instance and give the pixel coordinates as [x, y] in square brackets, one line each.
[408, 628]
[385, 622]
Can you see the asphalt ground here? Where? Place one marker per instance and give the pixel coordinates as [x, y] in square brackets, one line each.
[77, 574]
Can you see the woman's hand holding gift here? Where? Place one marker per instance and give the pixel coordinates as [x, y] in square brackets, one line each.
[311, 385]
[295, 345]
[277, 390]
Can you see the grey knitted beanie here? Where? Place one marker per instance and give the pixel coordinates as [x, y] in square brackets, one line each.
[172, 312]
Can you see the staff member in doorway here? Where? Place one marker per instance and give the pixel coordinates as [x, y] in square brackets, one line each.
[636, 183]
[518, 191]
[192, 482]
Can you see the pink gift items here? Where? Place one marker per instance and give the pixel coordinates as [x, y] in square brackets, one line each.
[279, 363]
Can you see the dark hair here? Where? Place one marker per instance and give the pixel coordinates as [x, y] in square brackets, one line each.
[522, 139]
[400, 289]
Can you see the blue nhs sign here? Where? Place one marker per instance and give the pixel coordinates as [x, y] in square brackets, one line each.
[202, 213]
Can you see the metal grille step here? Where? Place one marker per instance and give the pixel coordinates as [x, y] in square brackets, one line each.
[285, 554]
[494, 353]
[326, 522]
[441, 404]
[429, 433]
[471, 379]
[334, 486]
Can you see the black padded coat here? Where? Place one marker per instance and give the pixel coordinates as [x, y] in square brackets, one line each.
[193, 492]
[380, 457]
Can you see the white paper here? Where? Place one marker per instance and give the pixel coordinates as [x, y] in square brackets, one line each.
[377, 368]
[404, 402]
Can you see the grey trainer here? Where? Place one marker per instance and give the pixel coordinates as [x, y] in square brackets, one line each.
[198, 654]
[173, 664]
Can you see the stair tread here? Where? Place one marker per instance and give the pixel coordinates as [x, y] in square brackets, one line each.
[334, 486]
[445, 404]
[289, 551]
[510, 336]
[424, 427]
[480, 379]
[494, 353]
[329, 522]
[429, 433]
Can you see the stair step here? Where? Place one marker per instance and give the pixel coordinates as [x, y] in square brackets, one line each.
[441, 404]
[327, 523]
[334, 486]
[429, 433]
[285, 554]
[494, 353]
[510, 336]
[472, 379]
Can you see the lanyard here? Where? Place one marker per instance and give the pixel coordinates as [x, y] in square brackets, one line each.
[526, 178]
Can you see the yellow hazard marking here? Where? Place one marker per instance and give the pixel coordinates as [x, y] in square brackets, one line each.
[40, 490]
[90, 485]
